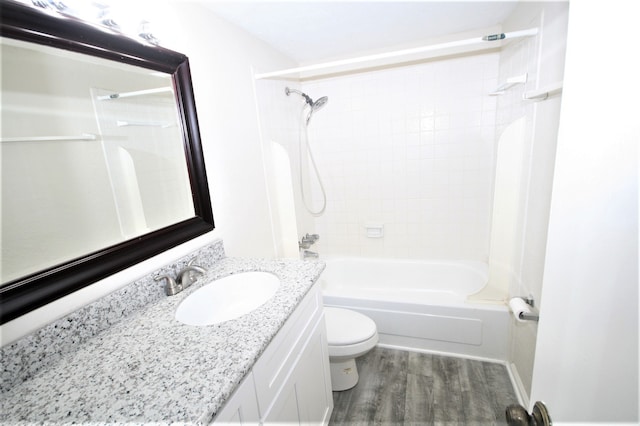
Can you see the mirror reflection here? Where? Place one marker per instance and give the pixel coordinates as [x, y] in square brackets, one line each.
[92, 154]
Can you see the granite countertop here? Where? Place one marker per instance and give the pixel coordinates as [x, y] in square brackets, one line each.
[152, 368]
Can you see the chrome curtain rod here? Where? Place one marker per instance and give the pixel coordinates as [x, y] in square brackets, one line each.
[397, 53]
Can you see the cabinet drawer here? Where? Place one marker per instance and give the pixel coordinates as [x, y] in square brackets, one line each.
[275, 364]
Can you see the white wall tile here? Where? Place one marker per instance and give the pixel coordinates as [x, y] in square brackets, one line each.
[411, 147]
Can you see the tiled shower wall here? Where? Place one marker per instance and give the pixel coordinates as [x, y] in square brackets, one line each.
[411, 148]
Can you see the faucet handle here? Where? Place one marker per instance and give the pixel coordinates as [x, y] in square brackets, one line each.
[303, 244]
[171, 287]
[308, 240]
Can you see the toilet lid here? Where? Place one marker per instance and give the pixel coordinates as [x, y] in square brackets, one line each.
[345, 327]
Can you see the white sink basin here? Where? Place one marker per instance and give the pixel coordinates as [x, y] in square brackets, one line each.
[227, 298]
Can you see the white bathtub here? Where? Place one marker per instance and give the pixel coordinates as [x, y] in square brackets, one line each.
[421, 305]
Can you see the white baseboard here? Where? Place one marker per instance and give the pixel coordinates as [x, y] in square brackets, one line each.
[521, 392]
[409, 348]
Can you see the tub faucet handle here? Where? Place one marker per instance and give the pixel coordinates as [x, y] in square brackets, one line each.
[308, 240]
[304, 244]
[312, 237]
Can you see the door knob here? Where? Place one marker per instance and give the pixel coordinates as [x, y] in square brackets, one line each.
[517, 415]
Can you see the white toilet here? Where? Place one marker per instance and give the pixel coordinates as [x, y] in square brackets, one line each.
[350, 334]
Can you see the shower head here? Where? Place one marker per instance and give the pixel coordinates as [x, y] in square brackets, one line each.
[313, 106]
[316, 106]
[319, 103]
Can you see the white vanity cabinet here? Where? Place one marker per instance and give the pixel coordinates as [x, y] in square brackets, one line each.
[290, 382]
[242, 406]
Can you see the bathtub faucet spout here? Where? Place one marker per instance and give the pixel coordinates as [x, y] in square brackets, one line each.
[308, 254]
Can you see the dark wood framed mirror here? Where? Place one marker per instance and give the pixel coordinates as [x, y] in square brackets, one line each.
[70, 39]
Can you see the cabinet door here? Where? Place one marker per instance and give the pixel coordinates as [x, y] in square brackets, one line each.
[285, 407]
[313, 379]
[277, 361]
[242, 407]
[305, 397]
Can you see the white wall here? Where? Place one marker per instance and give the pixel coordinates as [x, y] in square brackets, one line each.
[410, 147]
[221, 58]
[586, 363]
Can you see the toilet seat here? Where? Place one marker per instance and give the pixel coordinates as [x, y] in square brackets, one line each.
[349, 333]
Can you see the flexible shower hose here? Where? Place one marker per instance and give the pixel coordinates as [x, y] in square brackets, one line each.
[304, 138]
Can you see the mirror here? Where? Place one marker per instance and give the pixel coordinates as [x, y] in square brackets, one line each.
[101, 159]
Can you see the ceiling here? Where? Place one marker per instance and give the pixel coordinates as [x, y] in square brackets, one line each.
[316, 31]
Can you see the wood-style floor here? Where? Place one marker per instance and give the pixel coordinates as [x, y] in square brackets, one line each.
[411, 388]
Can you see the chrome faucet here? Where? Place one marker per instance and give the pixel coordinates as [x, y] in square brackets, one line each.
[171, 287]
[186, 276]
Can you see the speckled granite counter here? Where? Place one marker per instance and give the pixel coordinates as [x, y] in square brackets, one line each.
[151, 368]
